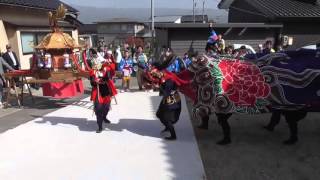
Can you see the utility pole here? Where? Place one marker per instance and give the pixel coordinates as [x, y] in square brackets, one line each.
[152, 16]
[203, 2]
[152, 26]
[194, 18]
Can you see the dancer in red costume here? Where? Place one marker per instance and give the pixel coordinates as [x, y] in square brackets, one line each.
[102, 90]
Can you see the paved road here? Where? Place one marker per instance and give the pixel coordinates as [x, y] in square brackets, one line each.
[254, 153]
[14, 116]
[63, 145]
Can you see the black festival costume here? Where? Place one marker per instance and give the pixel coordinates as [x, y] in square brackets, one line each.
[170, 107]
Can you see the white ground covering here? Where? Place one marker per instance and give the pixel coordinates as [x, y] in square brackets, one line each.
[63, 145]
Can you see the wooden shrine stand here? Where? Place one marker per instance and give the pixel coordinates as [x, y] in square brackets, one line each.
[11, 84]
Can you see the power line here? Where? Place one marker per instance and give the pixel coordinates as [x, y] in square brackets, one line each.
[195, 9]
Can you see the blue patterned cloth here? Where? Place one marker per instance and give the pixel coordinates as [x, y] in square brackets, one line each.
[296, 76]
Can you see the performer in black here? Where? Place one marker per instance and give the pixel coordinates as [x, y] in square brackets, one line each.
[169, 83]
[170, 107]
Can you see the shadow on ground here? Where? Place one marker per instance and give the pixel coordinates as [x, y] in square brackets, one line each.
[141, 127]
[82, 123]
[40, 107]
[182, 167]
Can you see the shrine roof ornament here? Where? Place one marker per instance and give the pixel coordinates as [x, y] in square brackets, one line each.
[57, 39]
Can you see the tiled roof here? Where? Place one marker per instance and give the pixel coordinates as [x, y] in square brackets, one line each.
[38, 4]
[286, 8]
[281, 8]
[120, 20]
[225, 4]
[198, 18]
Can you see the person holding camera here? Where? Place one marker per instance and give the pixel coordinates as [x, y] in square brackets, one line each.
[3, 64]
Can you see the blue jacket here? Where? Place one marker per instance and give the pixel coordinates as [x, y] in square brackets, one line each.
[187, 62]
[126, 62]
[174, 67]
[213, 36]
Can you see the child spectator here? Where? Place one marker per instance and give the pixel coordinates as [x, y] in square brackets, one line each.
[126, 67]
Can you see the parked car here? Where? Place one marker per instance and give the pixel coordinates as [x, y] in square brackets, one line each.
[248, 47]
[312, 47]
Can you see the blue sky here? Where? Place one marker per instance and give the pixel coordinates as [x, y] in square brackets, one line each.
[183, 4]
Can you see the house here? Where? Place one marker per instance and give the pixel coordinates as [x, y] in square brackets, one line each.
[88, 34]
[116, 31]
[299, 18]
[290, 23]
[167, 19]
[192, 37]
[181, 19]
[23, 24]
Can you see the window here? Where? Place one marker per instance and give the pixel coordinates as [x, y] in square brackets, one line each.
[28, 41]
[40, 37]
[130, 27]
[124, 27]
[115, 27]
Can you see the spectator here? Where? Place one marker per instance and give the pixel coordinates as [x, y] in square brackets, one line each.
[142, 60]
[3, 64]
[118, 56]
[110, 46]
[229, 51]
[260, 48]
[11, 58]
[105, 49]
[109, 57]
[126, 46]
[133, 51]
[101, 51]
[151, 61]
[318, 50]
[242, 52]
[174, 66]
[126, 67]
[268, 48]
[212, 50]
[279, 48]
[93, 54]
[186, 60]
[212, 40]
[163, 51]
[95, 57]
[221, 44]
